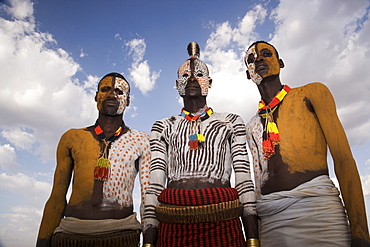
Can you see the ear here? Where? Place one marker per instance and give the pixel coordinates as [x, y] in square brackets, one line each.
[96, 96]
[281, 62]
[128, 101]
[248, 75]
[210, 82]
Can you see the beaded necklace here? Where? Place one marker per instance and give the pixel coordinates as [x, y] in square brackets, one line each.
[271, 135]
[196, 139]
[102, 167]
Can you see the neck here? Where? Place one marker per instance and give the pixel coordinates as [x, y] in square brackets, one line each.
[109, 124]
[269, 88]
[193, 105]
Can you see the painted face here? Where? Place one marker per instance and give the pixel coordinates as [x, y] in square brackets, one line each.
[112, 96]
[200, 72]
[262, 61]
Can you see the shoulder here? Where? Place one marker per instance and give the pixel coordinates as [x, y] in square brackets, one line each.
[255, 120]
[76, 132]
[166, 122]
[311, 88]
[228, 117]
[72, 136]
[137, 133]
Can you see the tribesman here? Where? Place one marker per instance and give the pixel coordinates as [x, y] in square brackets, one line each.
[103, 161]
[297, 202]
[193, 155]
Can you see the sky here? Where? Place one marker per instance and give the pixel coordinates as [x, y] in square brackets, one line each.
[53, 53]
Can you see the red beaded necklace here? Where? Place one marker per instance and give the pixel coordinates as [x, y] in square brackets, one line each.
[271, 135]
[102, 167]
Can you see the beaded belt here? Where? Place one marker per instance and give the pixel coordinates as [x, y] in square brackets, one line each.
[167, 213]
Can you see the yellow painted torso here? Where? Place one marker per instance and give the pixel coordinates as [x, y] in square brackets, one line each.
[302, 146]
[80, 142]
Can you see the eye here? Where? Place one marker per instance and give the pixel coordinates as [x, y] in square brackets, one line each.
[266, 53]
[250, 58]
[104, 89]
[118, 91]
[185, 75]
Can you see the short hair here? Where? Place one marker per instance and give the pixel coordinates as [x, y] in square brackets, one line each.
[262, 41]
[115, 74]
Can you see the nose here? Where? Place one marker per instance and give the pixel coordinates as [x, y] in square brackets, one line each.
[192, 78]
[259, 58]
[111, 94]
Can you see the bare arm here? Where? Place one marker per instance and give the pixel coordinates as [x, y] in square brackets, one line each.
[344, 163]
[55, 206]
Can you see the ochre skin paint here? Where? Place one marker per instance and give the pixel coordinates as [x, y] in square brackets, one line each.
[78, 151]
[80, 143]
[308, 124]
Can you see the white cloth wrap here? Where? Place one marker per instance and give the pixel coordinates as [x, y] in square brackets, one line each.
[311, 214]
[73, 225]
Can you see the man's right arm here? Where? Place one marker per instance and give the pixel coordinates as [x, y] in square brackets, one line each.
[55, 206]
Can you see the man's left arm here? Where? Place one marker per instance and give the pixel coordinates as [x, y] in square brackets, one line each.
[243, 182]
[344, 163]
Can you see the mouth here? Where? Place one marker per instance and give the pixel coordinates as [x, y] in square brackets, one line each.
[111, 103]
[261, 67]
[192, 85]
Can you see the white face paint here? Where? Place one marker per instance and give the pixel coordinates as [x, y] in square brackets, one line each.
[255, 77]
[121, 85]
[200, 72]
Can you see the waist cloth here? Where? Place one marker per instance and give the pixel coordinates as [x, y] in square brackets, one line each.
[106, 232]
[200, 217]
[311, 214]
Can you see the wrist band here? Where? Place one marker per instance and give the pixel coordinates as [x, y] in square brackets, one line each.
[148, 245]
[253, 242]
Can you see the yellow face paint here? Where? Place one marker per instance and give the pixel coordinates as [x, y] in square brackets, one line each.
[112, 95]
[268, 53]
[261, 61]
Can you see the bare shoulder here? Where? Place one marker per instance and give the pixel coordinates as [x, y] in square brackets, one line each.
[312, 88]
[75, 132]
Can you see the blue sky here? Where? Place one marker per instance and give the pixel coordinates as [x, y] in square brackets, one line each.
[52, 54]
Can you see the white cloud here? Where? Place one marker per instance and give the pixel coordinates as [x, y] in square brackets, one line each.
[21, 139]
[231, 90]
[20, 9]
[8, 160]
[82, 53]
[20, 227]
[39, 92]
[327, 41]
[20, 183]
[140, 72]
[324, 41]
[366, 185]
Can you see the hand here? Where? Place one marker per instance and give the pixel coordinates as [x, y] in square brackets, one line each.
[360, 242]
